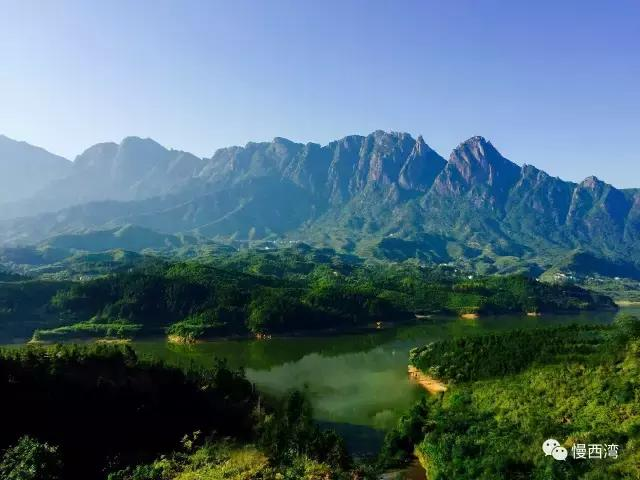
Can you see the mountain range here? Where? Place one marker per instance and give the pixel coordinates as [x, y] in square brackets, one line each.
[386, 194]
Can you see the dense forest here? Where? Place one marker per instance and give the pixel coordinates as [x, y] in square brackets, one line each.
[514, 391]
[100, 412]
[269, 292]
[475, 358]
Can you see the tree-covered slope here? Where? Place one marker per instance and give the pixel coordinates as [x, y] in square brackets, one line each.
[129, 237]
[510, 394]
[271, 292]
[101, 413]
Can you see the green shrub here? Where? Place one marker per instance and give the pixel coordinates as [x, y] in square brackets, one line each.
[30, 459]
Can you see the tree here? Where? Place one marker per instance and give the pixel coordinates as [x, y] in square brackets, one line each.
[30, 459]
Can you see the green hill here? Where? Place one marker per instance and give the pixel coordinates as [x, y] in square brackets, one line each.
[283, 291]
[128, 237]
[512, 392]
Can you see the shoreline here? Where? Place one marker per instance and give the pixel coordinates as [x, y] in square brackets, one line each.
[432, 385]
[415, 319]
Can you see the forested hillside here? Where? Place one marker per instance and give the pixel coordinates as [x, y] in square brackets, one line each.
[271, 292]
[96, 413]
[509, 393]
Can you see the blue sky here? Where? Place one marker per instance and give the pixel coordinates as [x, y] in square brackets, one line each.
[551, 83]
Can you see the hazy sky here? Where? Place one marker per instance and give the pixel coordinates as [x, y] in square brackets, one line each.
[551, 83]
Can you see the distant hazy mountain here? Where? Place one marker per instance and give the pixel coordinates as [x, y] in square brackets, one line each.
[385, 194]
[129, 237]
[135, 169]
[24, 169]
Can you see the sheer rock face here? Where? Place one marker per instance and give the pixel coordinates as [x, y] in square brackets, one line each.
[421, 168]
[598, 209]
[337, 171]
[538, 205]
[358, 187]
[632, 229]
[97, 158]
[478, 171]
[381, 158]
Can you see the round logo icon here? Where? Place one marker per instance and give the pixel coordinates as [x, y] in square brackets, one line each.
[549, 445]
[560, 453]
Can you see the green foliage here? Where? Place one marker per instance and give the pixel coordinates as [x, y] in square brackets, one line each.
[273, 310]
[26, 298]
[112, 330]
[31, 460]
[264, 292]
[580, 263]
[113, 414]
[399, 443]
[291, 433]
[474, 358]
[626, 329]
[229, 461]
[106, 409]
[198, 325]
[24, 306]
[579, 391]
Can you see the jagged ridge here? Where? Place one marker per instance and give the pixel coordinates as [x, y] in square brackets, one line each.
[349, 192]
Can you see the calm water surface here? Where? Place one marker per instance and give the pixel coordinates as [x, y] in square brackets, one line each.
[355, 381]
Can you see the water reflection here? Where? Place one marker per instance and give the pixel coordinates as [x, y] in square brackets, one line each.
[358, 379]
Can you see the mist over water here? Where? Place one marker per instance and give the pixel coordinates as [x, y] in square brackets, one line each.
[362, 388]
[355, 379]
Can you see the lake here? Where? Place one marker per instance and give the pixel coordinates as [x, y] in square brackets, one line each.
[357, 383]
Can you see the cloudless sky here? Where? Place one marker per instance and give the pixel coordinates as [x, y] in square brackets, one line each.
[555, 83]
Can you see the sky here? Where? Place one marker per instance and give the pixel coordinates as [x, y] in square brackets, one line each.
[554, 84]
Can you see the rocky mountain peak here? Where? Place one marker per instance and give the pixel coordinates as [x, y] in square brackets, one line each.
[476, 140]
[282, 141]
[596, 204]
[420, 145]
[421, 167]
[478, 162]
[96, 155]
[592, 182]
[350, 188]
[141, 145]
[475, 150]
[381, 157]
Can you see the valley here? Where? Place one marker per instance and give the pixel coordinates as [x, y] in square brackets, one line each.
[334, 328]
[319, 240]
[353, 306]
